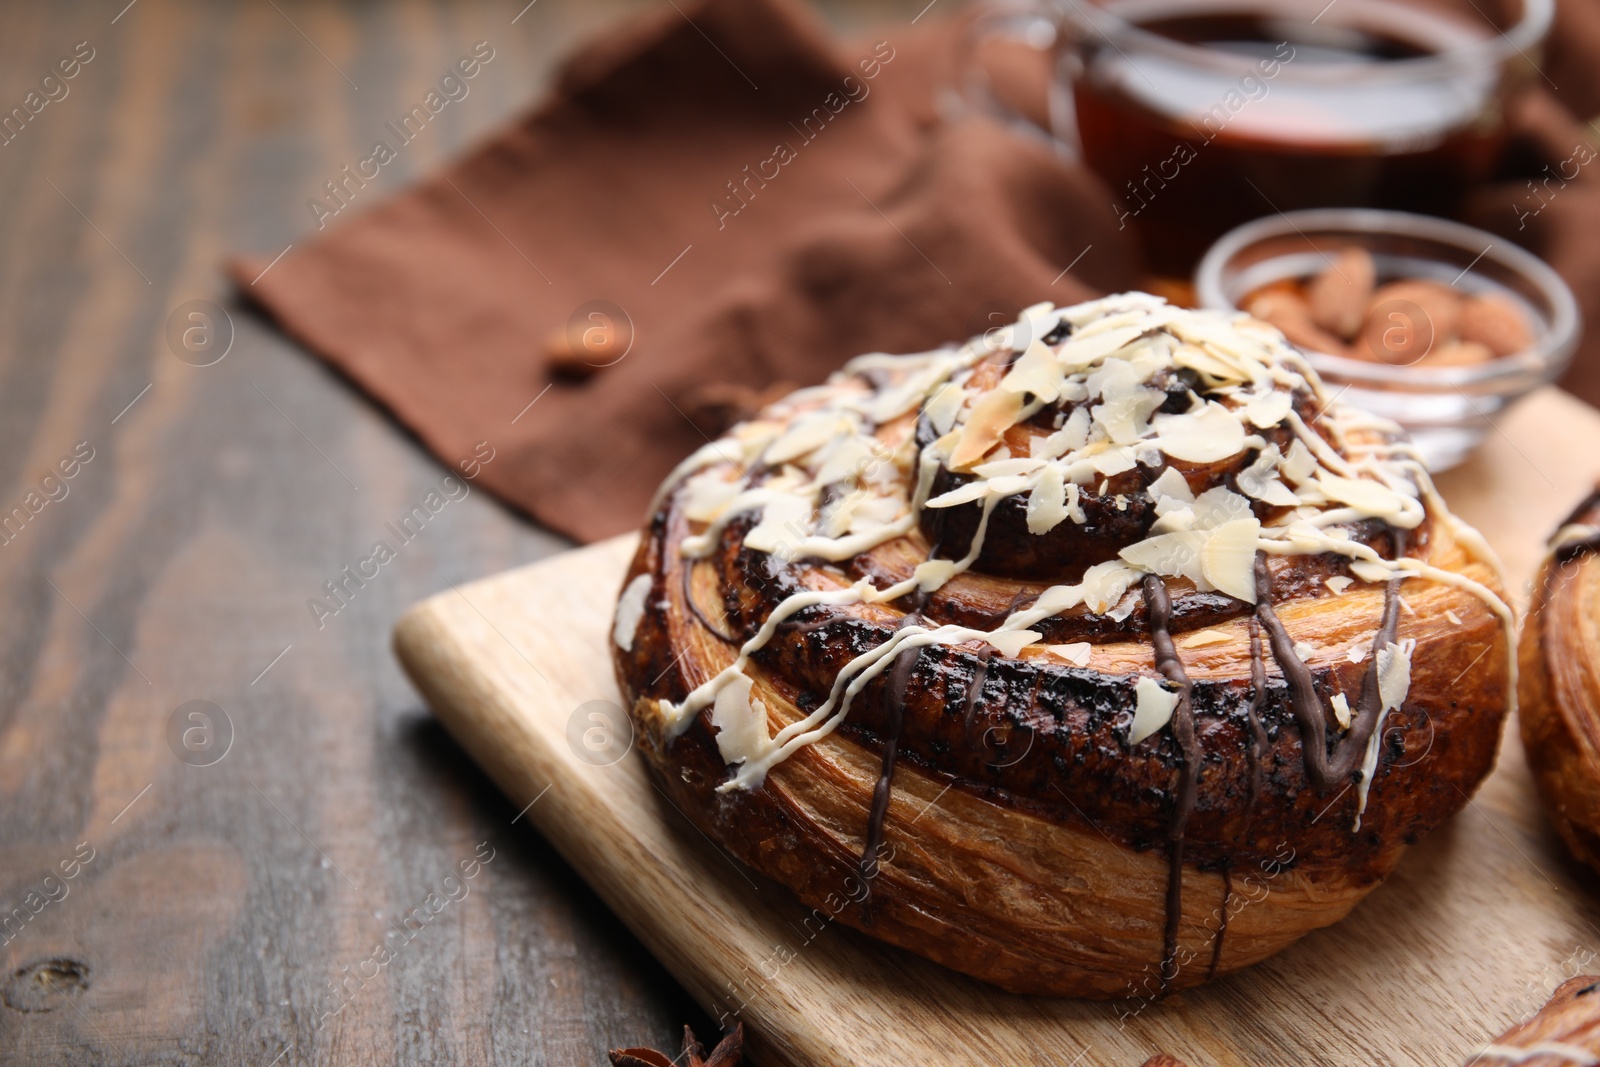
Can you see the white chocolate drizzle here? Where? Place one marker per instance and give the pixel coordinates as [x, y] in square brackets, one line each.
[630, 609]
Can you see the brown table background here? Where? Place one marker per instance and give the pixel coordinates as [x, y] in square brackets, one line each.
[223, 900]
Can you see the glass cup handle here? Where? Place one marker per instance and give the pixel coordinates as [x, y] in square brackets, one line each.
[1039, 26]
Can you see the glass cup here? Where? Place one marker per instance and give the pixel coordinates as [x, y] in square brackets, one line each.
[1203, 114]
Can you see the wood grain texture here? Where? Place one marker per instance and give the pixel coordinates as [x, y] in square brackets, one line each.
[216, 909]
[1480, 923]
[222, 900]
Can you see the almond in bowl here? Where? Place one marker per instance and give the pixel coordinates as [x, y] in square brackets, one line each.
[1344, 310]
[1437, 326]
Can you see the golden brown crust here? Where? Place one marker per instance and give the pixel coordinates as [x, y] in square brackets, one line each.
[1559, 683]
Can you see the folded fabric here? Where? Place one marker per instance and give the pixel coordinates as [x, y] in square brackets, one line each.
[761, 203]
[717, 202]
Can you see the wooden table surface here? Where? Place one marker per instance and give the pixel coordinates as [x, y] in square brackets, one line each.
[214, 811]
[231, 860]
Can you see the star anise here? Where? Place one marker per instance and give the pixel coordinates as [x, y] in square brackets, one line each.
[728, 1053]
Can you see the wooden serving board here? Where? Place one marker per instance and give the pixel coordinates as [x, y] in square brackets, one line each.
[1481, 921]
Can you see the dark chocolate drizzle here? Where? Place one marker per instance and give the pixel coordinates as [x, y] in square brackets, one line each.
[1158, 608]
[1258, 696]
[1222, 921]
[1324, 769]
[905, 661]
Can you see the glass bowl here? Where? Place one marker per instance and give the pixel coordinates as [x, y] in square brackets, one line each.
[1446, 409]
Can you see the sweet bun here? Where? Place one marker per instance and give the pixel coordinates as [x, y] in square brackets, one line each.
[1560, 681]
[1099, 656]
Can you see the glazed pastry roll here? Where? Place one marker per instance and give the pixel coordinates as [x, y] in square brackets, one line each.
[1560, 681]
[1098, 656]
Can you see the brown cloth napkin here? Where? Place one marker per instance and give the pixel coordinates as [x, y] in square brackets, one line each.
[762, 203]
[876, 228]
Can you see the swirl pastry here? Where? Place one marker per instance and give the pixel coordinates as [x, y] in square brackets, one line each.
[1099, 656]
[1560, 681]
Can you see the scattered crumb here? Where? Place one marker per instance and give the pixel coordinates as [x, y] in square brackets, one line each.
[1339, 583]
[1356, 654]
[1452, 616]
[1304, 651]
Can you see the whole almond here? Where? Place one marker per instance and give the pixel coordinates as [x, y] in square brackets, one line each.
[1457, 354]
[1361, 349]
[1497, 322]
[1340, 294]
[562, 360]
[1440, 304]
[1290, 313]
